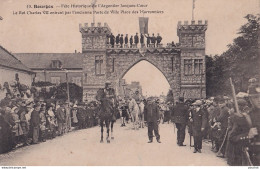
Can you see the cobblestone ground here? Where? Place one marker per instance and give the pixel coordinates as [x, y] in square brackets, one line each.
[81, 148]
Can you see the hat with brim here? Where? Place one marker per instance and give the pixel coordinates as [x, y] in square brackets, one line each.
[197, 103]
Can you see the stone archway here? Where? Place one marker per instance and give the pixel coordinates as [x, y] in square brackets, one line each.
[168, 63]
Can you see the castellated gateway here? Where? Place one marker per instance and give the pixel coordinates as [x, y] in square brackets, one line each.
[183, 66]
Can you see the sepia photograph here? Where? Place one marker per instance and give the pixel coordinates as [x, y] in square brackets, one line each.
[130, 83]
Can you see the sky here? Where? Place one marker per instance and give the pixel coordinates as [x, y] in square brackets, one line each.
[60, 33]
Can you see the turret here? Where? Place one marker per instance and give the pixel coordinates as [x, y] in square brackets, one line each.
[94, 36]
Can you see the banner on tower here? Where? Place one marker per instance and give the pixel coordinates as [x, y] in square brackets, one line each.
[143, 24]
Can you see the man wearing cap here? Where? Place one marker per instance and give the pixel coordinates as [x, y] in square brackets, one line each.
[199, 120]
[61, 119]
[222, 118]
[246, 134]
[180, 118]
[151, 118]
[35, 123]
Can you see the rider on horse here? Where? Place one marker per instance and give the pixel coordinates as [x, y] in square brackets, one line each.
[107, 98]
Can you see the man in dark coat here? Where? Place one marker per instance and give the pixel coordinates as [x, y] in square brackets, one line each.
[152, 119]
[142, 40]
[180, 118]
[131, 41]
[222, 118]
[126, 39]
[153, 40]
[61, 119]
[117, 39]
[6, 138]
[158, 40]
[112, 40]
[246, 132]
[136, 38]
[121, 41]
[199, 122]
[81, 115]
[35, 123]
[148, 39]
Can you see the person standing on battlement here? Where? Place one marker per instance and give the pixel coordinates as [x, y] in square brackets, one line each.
[121, 41]
[112, 40]
[131, 41]
[158, 40]
[117, 39]
[126, 39]
[148, 39]
[142, 40]
[136, 38]
[153, 39]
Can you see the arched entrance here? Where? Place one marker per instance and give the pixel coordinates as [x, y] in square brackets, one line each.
[144, 77]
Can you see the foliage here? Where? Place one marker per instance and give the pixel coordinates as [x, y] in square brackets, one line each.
[240, 62]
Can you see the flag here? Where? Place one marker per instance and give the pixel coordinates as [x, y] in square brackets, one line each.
[143, 24]
[193, 4]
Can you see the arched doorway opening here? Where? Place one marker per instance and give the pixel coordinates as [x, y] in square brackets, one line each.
[146, 78]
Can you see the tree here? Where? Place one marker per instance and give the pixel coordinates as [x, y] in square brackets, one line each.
[240, 62]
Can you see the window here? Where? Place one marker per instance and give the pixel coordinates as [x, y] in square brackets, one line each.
[113, 65]
[55, 80]
[198, 66]
[187, 66]
[86, 77]
[99, 65]
[172, 63]
[76, 80]
[56, 64]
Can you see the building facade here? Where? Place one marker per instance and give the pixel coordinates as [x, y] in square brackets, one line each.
[10, 69]
[182, 66]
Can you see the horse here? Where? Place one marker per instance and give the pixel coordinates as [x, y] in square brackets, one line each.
[134, 111]
[106, 114]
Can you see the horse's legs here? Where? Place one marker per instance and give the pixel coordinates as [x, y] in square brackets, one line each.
[102, 129]
[107, 126]
[112, 126]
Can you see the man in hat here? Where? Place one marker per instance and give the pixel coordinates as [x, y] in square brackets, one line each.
[247, 132]
[199, 120]
[180, 118]
[222, 118]
[136, 39]
[35, 123]
[152, 119]
[61, 119]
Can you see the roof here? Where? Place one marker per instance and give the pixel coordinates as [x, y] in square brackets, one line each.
[10, 61]
[44, 60]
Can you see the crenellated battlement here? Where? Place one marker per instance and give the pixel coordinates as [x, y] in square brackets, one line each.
[192, 27]
[93, 28]
[193, 22]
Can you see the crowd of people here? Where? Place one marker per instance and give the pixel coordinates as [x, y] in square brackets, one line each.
[31, 121]
[230, 124]
[121, 41]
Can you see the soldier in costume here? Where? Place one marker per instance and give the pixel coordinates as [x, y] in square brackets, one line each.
[199, 121]
[107, 98]
[245, 134]
[222, 118]
[180, 118]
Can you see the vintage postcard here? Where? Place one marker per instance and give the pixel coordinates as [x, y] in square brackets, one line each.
[129, 83]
